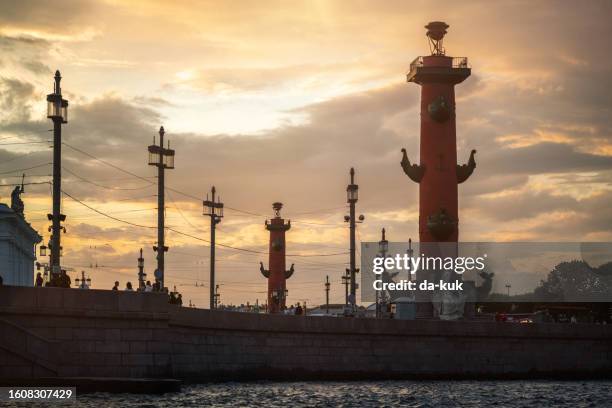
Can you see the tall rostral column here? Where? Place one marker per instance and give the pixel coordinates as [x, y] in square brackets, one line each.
[438, 174]
[277, 274]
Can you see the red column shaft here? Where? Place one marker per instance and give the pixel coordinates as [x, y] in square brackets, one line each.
[438, 188]
[276, 265]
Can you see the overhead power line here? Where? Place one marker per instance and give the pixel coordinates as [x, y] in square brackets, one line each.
[103, 186]
[188, 195]
[189, 235]
[26, 168]
[25, 184]
[107, 163]
[24, 143]
[105, 214]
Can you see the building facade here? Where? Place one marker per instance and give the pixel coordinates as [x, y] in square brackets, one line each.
[17, 248]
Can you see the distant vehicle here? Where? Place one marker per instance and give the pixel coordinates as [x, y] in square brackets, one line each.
[515, 317]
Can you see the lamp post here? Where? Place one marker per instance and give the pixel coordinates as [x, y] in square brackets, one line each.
[508, 286]
[162, 158]
[83, 283]
[351, 198]
[57, 111]
[217, 296]
[43, 265]
[346, 281]
[214, 209]
[383, 247]
[141, 274]
[327, 284]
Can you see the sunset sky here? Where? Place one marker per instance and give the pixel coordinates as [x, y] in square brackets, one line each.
[275, 101]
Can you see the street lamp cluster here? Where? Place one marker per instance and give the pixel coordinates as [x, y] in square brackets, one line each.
[83, 283]
[162, 158]
[141, 274]
[383, 247]
[213, 209]
[352, 195]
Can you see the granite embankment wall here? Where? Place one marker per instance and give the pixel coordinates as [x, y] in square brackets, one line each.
[46, 332]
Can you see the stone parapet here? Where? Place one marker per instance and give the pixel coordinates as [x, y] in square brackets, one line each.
[94, 333]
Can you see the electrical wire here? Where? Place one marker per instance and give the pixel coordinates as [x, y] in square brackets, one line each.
[192, 236]
[199, 199]
[107, 163]
[106, 215]
[103, 186]
[25, 184]
[180, 212]
[26, 168]
[24, 143]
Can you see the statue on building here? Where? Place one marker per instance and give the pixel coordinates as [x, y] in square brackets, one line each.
[16, 201]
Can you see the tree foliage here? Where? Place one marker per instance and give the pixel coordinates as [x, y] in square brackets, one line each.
[576, 281]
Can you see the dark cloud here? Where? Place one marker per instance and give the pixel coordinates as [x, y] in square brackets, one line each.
[15, 97]
[26, 53]
[543, 158]
[36, 67]
[60, 17]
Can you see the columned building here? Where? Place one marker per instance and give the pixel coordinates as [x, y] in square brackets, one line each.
[17, 247]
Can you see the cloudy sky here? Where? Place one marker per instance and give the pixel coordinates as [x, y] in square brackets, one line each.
[275, 101]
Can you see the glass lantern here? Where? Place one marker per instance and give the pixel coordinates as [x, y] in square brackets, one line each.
[57, 108]
[166, 154]
[218, 209]
[168, 158]
[54, 106]
[351, 193]
[43, 250]
[383, 245]
[154, 152]
[64, 111]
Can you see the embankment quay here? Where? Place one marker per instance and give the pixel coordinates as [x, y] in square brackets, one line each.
[59, 333]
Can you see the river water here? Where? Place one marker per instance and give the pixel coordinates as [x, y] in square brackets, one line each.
[372, 394]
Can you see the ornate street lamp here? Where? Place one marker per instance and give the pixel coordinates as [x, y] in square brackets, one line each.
[57, 111]
[383, 244]
[57, 107]
[83, 283]
[141, 274]
[352, 196]
[162, 158]
[214, 209]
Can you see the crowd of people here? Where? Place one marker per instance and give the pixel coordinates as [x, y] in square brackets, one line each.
[148, 287]
[174, 297]
[297, 310]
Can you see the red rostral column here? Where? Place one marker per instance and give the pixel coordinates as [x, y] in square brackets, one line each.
[277, 274]
[438, 174]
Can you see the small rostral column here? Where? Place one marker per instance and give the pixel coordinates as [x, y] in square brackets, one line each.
[277, 274]
[438, 174]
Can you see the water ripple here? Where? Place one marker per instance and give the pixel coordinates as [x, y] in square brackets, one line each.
[575, 394]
